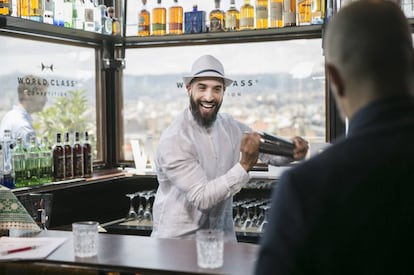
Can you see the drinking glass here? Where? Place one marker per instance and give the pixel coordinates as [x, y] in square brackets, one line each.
[132, 214]
[210, 248]
[85, 238]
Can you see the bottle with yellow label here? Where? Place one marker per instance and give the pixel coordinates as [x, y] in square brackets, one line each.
[5, 8]
[175, 19]
[232, 21]
[317, 11]
[246, 16]
[262, 14]
[275, 10]
[217, 17]
[144, 20]
[30, 9]
[304, 10]
[289, 13]
[159, 20]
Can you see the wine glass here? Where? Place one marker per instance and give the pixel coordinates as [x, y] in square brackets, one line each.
[132, 214]
[141, 210]
[248, 219]
[148, 206]
[255, 218]
[237, 217]
[263, 224]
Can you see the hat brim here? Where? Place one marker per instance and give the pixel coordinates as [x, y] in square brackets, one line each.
[227, 81]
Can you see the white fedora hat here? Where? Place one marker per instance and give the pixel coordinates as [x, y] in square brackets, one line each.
[207, 66]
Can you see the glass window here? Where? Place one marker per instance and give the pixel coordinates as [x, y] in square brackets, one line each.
[279, 88]
[60, 83]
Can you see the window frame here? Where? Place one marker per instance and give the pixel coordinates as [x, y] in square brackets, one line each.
[334, 126]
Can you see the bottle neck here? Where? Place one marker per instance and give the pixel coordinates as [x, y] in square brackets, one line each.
[217, 4]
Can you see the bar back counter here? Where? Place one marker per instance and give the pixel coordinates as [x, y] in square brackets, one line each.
[124, 254]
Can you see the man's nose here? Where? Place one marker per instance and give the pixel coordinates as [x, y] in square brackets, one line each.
[209, 95]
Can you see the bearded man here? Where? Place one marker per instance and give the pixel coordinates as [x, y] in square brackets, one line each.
[203, 159]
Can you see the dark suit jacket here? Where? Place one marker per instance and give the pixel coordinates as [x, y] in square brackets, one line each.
[349, 210]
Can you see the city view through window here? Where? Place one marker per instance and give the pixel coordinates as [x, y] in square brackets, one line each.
[279, 87]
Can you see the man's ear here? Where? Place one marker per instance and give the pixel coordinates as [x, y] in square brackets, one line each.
[337, 83]
[188, 86]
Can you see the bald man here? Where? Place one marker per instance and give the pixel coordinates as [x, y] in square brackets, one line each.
[350, 210]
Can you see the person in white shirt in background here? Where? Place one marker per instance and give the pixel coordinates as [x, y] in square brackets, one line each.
[203, 159]
[32, 95]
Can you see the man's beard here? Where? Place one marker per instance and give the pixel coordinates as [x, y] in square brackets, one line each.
[203, 121]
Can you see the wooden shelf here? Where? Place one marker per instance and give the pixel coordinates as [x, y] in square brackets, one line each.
[300, 32]
[31, 28]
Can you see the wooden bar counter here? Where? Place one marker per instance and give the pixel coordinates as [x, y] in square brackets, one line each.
[126, 254]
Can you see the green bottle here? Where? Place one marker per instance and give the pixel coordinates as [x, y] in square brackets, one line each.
[19, 163]
[33, 162]
[46, 161]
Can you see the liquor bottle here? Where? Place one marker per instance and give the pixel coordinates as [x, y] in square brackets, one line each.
[262, 14]
[78, 18]
[8, 171]
[175, 19]
[46, 161]
[36, 12]
[33, 162]
[116, 25]
[144, 20]
[105, 21]
[87, 156]
[276, 20]
[317, 11]
[78, 161]
[19, 163]
[48, 12]
[68, 7]
[23, 8]
[13, 7]
[58, 159]
[289, 13]
[246, 16]
[217, 17]
[30, 9]
[304, 10]
[159, 20]
[1, 163]
[195, 21]
[59, 11]
[101, 20]
[41, 218]
[89, 24]
[232, 21]
[5, 8]
[67, 148]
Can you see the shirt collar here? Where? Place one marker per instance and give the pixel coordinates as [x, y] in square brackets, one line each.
[381, 110]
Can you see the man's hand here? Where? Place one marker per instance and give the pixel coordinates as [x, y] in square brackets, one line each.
[249, 149]
[301, 148]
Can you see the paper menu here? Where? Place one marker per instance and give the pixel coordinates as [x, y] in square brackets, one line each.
[42, 247]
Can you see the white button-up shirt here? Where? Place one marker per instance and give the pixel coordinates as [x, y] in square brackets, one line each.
[198, 172]
[20, 123]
